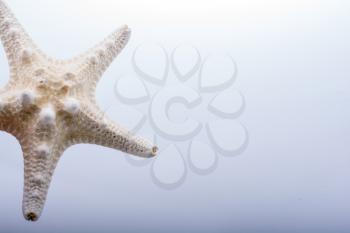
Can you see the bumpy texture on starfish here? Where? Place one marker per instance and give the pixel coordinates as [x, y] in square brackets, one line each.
[49, 105]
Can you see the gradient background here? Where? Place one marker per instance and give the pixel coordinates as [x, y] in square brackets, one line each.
[293, 58]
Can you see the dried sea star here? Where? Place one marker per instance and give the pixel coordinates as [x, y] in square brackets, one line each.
[49, 105]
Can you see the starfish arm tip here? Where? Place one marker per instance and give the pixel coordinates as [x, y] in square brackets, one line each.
[154, 151]
[141, 147]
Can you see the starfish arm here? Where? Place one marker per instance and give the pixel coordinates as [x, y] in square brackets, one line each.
[93, 127]
[42, 143]
[96, 60]
[19, 48]
[40, 160]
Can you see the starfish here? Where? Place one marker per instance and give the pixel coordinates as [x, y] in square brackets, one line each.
[49, 104]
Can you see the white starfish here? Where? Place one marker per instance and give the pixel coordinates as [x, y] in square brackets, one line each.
[49, 105]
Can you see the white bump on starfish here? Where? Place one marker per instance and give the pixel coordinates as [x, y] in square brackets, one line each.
[50, 92]
[93, 60]
[38, 180]
[101, 53]
[27, 55]
[43, 151]
[27, 98]
[36, 195]
[47, 116]
[71, 106]
[14, 33]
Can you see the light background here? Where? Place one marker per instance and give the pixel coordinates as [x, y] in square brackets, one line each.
[293, 59]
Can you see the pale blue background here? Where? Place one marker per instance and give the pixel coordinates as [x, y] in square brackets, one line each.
[293, 59]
